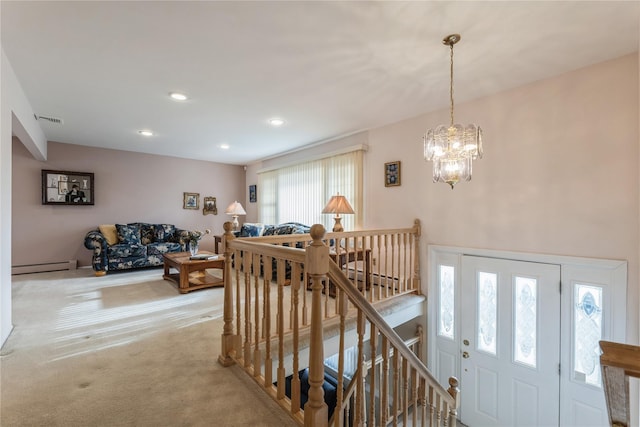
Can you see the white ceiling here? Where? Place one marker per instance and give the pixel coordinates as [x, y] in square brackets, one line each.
[328, 68]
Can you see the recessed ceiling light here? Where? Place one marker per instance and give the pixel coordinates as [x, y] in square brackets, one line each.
[178, 96]
[145, 132]
[276, 122]
[224, 146]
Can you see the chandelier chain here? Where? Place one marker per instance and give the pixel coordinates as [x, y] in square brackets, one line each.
[451, 82]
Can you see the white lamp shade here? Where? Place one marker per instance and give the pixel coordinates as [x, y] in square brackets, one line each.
[338, 205]
[235, 208]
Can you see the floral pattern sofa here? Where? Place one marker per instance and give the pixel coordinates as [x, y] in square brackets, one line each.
[258, 229]
[134, 245]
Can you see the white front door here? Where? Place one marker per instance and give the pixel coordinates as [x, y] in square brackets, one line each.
[510, 336]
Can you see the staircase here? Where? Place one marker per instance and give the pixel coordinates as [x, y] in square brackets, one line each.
[292, 301]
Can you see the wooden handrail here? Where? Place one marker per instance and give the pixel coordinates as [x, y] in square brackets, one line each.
[618, 362]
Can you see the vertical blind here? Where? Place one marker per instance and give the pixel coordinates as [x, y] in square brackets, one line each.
[298, 193]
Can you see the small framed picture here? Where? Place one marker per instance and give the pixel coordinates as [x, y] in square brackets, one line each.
[209, 206]
[392, 174]
[191, 201]
[253, 193]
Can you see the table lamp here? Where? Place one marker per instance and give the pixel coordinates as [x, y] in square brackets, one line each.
[338, 205]
[235, 209]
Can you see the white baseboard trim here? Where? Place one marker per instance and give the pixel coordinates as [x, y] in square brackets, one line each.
[41, 268]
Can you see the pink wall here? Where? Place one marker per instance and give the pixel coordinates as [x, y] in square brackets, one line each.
[559, 175]
[129, 187]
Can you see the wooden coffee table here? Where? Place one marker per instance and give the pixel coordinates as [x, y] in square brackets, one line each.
[192, 274]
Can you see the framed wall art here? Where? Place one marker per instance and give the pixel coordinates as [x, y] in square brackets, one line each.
[209, 206]
[191, 201]
[392, 174]
[253, 193]
[67, 188]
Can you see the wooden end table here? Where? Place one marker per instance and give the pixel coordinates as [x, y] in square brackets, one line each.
[191, 273]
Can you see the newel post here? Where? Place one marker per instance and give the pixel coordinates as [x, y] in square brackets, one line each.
[317, 265]
[230, 342]
[454, 391]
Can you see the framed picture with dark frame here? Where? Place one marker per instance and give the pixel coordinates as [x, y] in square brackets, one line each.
[67, 188]
[191, 201]
[392, 174]
[253, 193]
[209, 206]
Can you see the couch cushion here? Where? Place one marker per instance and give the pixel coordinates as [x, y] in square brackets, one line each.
[147, 233]
[251, 229]
[159, 248]
[269, 230]
[164, 232]
[129, 234]
[283, 229]
[109, 232]
[127, 263]
[127, 250]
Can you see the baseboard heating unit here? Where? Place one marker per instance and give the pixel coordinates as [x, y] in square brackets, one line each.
[44, 267]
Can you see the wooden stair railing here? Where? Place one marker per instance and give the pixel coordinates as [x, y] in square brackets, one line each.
[618, 362]
[341, 310]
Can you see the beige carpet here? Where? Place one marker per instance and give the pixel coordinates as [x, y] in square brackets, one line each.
[125, 349]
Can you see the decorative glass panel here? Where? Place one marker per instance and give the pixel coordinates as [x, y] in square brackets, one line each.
[587, 333]
[446, 322]
[487, 312]
[525, 339]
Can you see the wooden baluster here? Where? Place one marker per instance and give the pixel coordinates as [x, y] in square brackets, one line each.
[386, 266]
[238, 255]
[305, 310]
[378, 265]
[394, 264]
[405, 392]
[359, 265]
[266, 283]
[247, 310]
[359, 419]
[405, 266]
[363, 386]
[342, 312]
[373, 342]
[230, 343]
[295, 381]
[257, 356]
[416, 256]
[414, 397]
[317, 265]
[432, 406]
[384, 390]
[280, 327]
[396, 385]
[268, 361]
[438, 411]
[422, 400]
[368, 253]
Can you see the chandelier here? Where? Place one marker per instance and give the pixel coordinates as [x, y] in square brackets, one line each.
[452, 148]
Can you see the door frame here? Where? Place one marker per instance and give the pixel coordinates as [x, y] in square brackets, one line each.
[572, 269]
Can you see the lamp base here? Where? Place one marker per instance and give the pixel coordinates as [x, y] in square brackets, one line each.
[235, 223]
[337, 227]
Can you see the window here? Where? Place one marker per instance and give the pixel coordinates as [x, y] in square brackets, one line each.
[298, 193]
